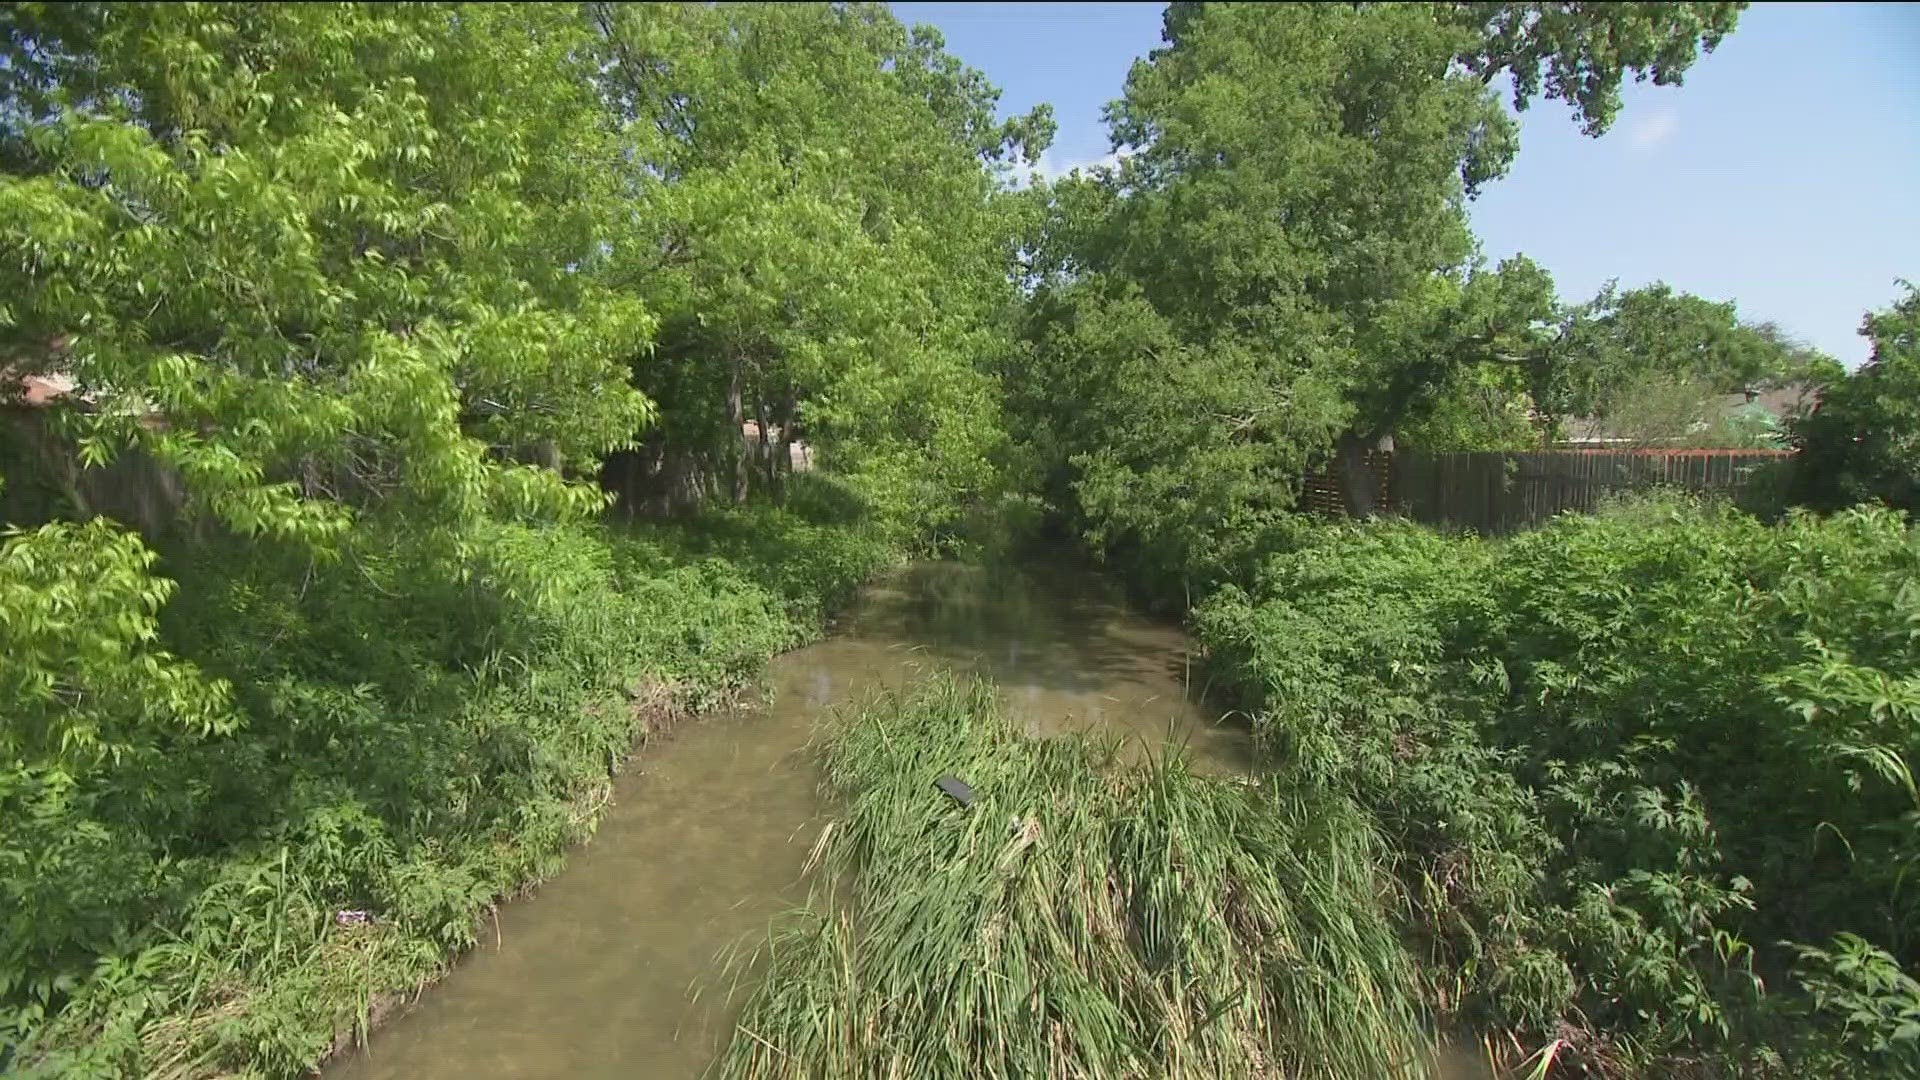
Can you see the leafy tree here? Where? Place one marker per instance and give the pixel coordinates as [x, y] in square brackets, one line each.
[1460, 338]
[1295, 173]
[1485, 407]
[1582, 52]
[340, 251]
[1292, 205]
[832, 241]
[1612, 349]
[95, 708]
[1153, 443]
[1863, 441]
[1661, 410]
[337, 266]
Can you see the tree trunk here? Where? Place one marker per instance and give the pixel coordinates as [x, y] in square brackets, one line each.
[785, 460]
[737, 421]
[766, 448]
[1359, 492]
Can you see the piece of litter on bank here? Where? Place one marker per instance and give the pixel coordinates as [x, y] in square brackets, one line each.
[955, 789]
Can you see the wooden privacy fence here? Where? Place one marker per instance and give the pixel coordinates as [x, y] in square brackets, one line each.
[1502, 492]
[45, 479]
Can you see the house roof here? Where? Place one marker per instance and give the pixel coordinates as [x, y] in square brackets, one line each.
[1780, 402]
[35, 376]
[38, 391]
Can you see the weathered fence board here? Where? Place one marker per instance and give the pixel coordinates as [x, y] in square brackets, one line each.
[1495, 493]
[46, 479]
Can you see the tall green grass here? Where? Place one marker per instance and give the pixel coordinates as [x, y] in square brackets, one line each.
[1084, 918]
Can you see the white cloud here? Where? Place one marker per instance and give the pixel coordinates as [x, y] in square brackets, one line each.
[1054, 165]
[1652, 129]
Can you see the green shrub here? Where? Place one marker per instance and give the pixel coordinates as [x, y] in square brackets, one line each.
[1341, 654]
[1622, 760]
[374, 734]
[96, 712]
[1863, 442]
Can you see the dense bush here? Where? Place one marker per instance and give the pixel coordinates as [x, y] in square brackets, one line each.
[1647, 772]
[1863, 442]
[360, 736]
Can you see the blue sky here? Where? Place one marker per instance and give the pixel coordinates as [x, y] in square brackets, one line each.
[1785, 174]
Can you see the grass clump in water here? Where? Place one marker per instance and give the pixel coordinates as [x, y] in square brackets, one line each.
[1084, 918]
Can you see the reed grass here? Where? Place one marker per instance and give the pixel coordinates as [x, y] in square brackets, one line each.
[1084, 918]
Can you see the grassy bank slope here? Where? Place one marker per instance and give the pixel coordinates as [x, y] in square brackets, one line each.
[408, 751]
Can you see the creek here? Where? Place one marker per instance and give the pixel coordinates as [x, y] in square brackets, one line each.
[616, 967]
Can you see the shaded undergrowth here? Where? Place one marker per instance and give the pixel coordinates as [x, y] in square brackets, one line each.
[405, 748]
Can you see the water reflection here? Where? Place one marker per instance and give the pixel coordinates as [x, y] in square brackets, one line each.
[1061, 644]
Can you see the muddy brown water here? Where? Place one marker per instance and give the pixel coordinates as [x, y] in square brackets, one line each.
[615, 967]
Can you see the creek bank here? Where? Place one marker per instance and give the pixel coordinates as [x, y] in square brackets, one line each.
[621, 962]
[656, 706]
[452, 761]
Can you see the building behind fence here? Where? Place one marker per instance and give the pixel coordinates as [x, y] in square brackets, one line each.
[1502, 492]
